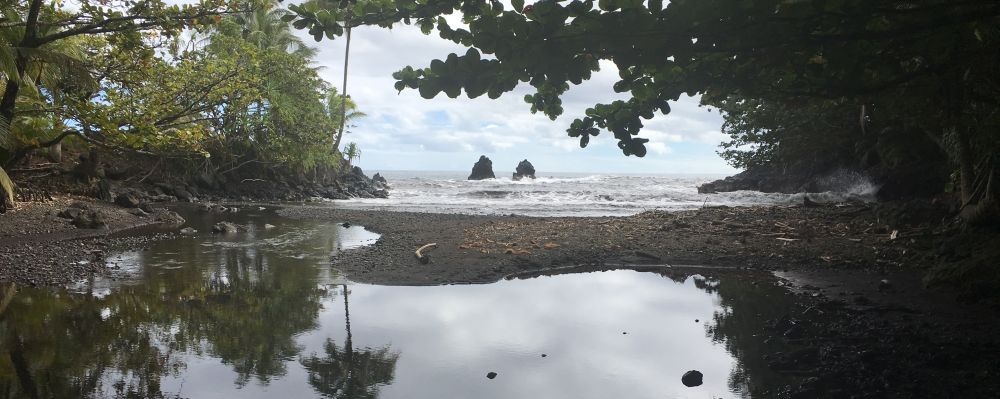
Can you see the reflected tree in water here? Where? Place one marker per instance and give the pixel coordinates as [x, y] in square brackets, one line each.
[348, 373]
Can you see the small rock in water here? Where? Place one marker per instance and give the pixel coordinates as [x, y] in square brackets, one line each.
[345, 225]
[884, 285]
[225, 228]
[269, 226]
[692, 378]
[491, 375]
[696, 320]
[544, 355]
[188, 231]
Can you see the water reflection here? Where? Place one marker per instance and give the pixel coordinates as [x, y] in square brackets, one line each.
[261, 314]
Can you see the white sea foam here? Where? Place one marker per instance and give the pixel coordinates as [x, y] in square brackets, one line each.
[575, 194]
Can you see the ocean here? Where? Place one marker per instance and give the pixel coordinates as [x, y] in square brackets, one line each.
[571, 194]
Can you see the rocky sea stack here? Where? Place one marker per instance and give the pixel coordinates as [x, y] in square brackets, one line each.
[524, 170]
[483, 169]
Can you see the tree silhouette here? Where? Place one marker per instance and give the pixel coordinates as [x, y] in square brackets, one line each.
[346, 373]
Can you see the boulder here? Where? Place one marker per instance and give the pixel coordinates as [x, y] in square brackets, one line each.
[380, 182]
[70, 213]
[90, 220]
[127, 200]
[188, 231]
[356, 184]
[524, 170]
[483, 169]
[169, 217]
[183, 194]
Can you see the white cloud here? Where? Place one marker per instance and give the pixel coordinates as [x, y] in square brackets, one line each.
[450, 134]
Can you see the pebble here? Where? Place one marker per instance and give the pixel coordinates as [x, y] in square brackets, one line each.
[692, 378]
[491, 375]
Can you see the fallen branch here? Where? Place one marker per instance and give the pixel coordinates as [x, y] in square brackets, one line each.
[422, 257]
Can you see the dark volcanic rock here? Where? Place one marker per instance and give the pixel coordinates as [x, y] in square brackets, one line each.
[378, 179]
[692, 378]
[90, 220]
[483, 169]
[356, 184]
[127, 200]
[524, 169]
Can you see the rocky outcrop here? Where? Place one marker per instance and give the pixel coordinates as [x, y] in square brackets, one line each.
[356, 185]
[483, 169]
[524, 170]
[901, 163]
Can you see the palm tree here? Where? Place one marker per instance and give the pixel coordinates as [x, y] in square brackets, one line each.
[347, 373]
[351, 153]
[265, 28]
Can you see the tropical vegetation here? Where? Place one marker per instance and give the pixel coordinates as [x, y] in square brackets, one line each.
[223, 88]
[923, 67]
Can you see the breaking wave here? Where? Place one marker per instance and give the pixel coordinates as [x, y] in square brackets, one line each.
[583, 195]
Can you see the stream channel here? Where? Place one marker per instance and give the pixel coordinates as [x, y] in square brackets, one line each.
[261, 314]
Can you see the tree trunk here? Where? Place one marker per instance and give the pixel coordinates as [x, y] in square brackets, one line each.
[966, 167]
[343, 92]
[16, 353]
[55, 153]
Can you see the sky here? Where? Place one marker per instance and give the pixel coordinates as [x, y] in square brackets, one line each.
[406, 132]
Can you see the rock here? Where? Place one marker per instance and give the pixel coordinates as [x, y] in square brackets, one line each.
[183, 194]
[169, 217]
[483, 169]
[209, 207]
[380, 181]
[81, 205]
[90, 220]
[145, 206]
[524, 170]
[692, 378]
[138, 212]
[127, 200]
[188, 231]
[225, 228]
[270, 227]
[70, 213]
[491, 375]
[345, 224]
[884, 285]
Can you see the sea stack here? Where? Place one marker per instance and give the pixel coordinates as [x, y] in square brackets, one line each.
[524, 169]
[483, 169]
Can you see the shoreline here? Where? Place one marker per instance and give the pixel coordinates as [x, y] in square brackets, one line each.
[39, 248]
[475, 248]
[858, 300]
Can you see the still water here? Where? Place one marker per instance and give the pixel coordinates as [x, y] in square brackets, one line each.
[260, 314]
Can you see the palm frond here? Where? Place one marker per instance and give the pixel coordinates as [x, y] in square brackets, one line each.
[6, 186]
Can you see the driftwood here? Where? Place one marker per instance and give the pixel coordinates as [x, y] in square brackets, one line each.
[424, 258]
